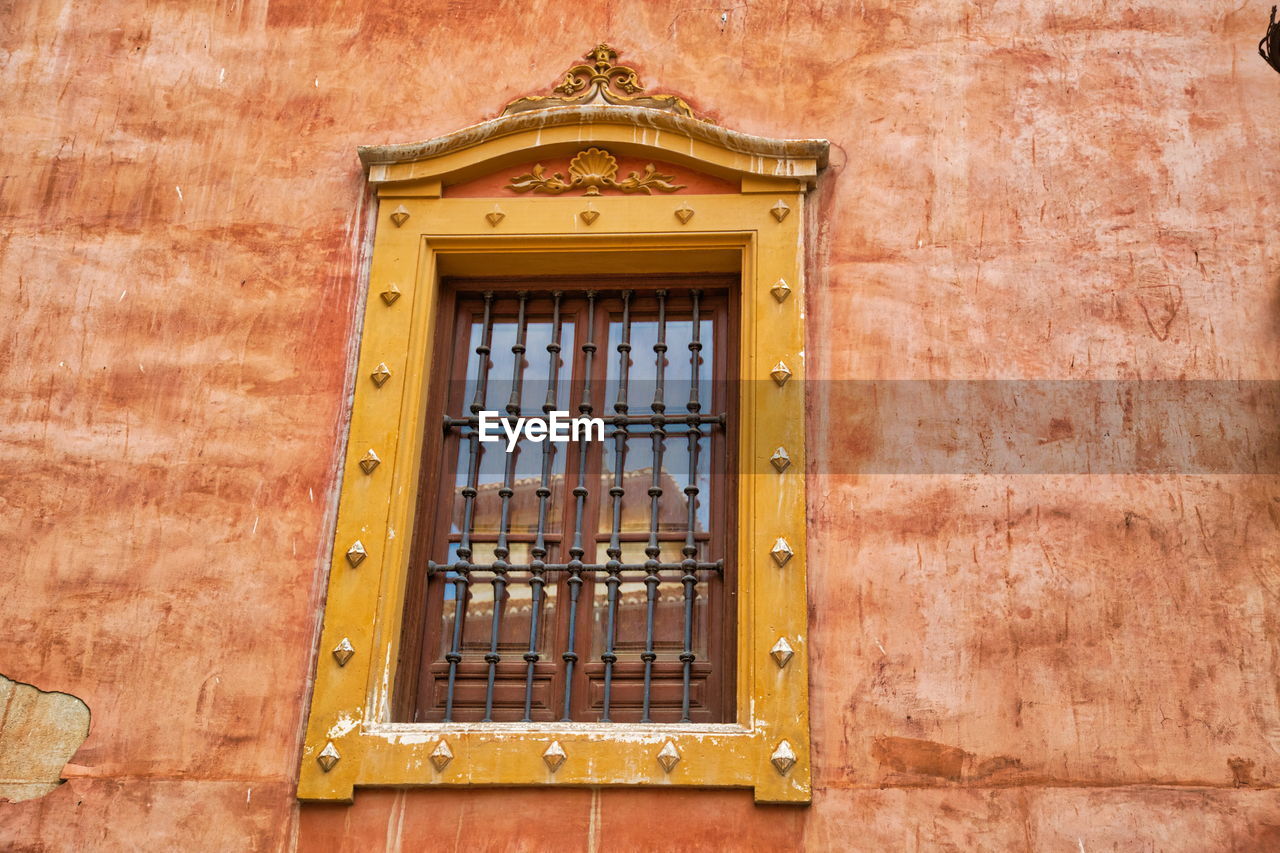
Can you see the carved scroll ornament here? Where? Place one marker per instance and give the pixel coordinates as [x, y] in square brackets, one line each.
[599, 81]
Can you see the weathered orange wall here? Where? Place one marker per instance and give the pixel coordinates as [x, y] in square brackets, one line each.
[999, 662]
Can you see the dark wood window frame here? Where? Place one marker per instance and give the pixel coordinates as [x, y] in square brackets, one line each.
[539, 690]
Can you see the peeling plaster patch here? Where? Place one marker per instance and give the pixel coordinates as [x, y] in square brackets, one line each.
[413, 739]
[39, 732]
[381, 699]
[414, 734]
[344, 725]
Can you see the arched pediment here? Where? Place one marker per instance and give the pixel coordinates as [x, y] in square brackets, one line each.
[598, 105]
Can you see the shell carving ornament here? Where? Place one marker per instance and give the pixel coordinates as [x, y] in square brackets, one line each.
[594, 169]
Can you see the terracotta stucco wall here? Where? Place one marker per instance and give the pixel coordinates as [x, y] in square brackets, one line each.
[999, 662]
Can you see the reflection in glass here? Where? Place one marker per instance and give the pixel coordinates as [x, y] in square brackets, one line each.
[632, 612]
[535, 381]
[546, 381]
[524, 486]
[673, 505]
[535, 373]
[516, 608]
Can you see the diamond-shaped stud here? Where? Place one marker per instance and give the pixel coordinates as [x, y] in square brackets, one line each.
[380, 374]
[668, 756]
[783, 758]
[780, 459]
[343, 652]
[684, 213]
[554, 756]
[495, 216]
[780, 210]
[781, 552]
[781, 652]
[781, 290]
[328, 757]
[441, 755]
[369, 462]
[401, 213]
[590, 214]
[390, 295]
[780, 373]
[356, 554]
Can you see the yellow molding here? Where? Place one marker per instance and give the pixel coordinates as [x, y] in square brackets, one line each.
[514, 139]
[351, 703]
[769, 184]
[420, 188]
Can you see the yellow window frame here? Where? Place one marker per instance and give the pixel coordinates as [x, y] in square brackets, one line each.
[423, 234]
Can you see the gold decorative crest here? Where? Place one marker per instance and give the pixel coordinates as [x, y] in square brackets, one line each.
[599, 81]
[594, 169]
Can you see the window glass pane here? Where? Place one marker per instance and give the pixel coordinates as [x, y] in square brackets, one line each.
[537, 369]
[678, 378]
[527, 477]
[632, 613]
[535, 366]
[642, 370]
[535, 383]
[501, 361]
[673, 505]
[516, 611]
[543, 375]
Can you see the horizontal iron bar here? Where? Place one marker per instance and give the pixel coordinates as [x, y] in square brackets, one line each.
[527, 568]
[670, 537]
[611, 420]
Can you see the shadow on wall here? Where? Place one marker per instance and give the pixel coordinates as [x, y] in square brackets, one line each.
[39, 732]
[1269, 47]
[1275, 306]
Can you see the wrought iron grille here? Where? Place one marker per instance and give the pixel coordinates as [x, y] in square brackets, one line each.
[588, 580]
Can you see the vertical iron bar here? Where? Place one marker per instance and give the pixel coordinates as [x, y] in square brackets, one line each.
[461, 568]
[614, 565]
[539, 550]
[652, 549]
[690, 563]
[502, 550]
[580, 496]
